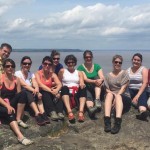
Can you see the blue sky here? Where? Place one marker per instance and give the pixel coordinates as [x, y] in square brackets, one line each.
[82, 24]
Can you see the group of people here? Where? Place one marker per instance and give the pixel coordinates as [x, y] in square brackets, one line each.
[54, 89]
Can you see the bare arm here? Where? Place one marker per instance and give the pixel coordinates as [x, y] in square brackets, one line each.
[81, 80]
[88, 80]
[60, 74]
[41, 85]
[25, 85]
[35, 85]
[18, 85]
[9, 108]
[123, 88]
[145, 82]
[58, 84]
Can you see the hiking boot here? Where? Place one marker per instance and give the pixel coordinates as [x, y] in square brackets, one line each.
[61, 116]
[45, 118]
[54, 115]
[98, 104]
[40, 121]
[92, 111]
[107, 123]
[117, 126]
[143, 116]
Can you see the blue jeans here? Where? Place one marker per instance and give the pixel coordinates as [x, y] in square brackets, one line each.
[142, 101]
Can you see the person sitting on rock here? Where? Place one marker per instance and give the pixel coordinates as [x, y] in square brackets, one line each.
[73, 84]
[30, 86]
[138, 86]
[11, 98]
[50, 95]
[93, 77]
[117, 95]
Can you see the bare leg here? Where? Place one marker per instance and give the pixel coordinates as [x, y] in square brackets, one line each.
[35, 109]
[119, 106]
[40, 106]
[108, 104]
[20, 111]
[15, 128]
[97, 92]
[142, 108]
[66, 100]
[82, 103]
[89, 104]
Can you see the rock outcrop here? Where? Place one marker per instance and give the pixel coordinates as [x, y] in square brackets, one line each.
[90, 135]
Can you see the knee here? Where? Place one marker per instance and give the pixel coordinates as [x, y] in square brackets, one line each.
[65, 90]
[109, 95]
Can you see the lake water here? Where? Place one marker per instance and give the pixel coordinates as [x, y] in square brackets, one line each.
[103, 58]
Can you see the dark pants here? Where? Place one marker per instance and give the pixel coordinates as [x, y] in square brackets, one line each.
[19, 98]
[126, 103]
[49, 104]
[80, 93]
[142, 101]
[7, 117]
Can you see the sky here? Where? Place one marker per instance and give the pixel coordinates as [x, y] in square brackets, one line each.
[75, 24]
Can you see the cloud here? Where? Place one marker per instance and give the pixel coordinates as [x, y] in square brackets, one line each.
[98, 21]
[5, 5]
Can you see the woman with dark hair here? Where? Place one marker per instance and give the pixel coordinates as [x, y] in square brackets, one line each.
[30, 86]
[73, 83]
[11, 98]
[44, 78]
[93, 77]
[55, 55]
[117, 95]
[138, 84]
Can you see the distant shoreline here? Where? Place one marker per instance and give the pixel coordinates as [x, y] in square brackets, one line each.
[74, 50]
[46, 50]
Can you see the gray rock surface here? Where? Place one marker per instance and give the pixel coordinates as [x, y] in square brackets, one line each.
[90, 135]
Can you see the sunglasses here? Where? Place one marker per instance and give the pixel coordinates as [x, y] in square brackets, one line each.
[88, 57]
[47, 64]
[9, 66]
[56, 58]
[71, 62]
[24, 63]
[118, 62]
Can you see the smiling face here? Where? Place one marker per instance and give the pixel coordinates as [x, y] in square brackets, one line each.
[56, 59]
[117, 63]
[136, 61]
[88, 58]
[70, 64]
[5, 52]
[9, 67]
[26, 64]
[47, 65]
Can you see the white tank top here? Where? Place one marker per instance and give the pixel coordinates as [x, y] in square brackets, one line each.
[135, 78]
[70, 79]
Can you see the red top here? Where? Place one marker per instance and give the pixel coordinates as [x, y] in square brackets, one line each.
[47, 82]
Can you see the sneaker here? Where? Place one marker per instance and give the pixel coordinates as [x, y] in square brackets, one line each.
[54, 115]
[61, 116]
[92, 111]
[40, 121]
[45, 118]
[98, 103]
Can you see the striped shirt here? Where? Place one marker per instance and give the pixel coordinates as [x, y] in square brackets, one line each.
[136, 78]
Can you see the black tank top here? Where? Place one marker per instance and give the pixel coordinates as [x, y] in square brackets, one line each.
[7, 93]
